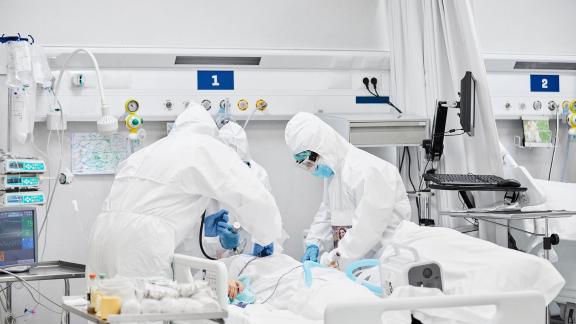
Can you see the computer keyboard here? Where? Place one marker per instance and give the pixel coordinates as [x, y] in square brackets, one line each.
[463, 179]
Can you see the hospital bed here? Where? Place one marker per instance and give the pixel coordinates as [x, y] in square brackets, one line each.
[511, 307]
[555, 196]
[521, 307]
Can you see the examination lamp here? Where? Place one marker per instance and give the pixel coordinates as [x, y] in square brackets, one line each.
[107, 124]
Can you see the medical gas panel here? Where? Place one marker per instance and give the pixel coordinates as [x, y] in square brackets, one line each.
[277, 94]
[539, 93]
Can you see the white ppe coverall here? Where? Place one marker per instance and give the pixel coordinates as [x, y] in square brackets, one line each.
[235, 137]
[365, 191]
[160, 192]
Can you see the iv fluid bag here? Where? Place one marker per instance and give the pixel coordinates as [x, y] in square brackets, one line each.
[22, 103]
[42, 72]
[19, 67]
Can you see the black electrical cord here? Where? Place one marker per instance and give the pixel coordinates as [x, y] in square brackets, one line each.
[412, 182]
[552, 162]
[423, 173]
[200, 238]
[374, 81]
[402, 160]
[278, 283]
[367, 85]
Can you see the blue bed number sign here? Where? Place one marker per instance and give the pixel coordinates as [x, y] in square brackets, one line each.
[215, 80]
[544, 83]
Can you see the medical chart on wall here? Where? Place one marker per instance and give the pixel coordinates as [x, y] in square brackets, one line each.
[93, 153]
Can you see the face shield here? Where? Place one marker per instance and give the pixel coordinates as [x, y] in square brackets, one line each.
[307, 160]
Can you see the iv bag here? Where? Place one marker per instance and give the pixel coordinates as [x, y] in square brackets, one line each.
[42, 72]
[19, 67]
[22, 104]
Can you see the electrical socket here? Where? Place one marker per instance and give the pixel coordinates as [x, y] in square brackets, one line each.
[359, 84]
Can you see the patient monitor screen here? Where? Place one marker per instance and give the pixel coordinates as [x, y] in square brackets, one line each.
[17, 239]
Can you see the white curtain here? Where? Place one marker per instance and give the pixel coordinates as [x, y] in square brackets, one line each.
[433, 43]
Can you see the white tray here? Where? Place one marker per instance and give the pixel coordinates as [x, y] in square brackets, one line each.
[81, 310]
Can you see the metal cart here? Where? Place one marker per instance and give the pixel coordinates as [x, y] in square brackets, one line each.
[48, 270]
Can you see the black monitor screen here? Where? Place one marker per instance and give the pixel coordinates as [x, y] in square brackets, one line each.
[17, 236]
[468, 103]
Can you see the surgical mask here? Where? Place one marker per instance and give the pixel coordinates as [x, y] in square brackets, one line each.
[323, 171]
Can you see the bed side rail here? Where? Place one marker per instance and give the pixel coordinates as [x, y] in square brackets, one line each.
[515, 307]
[188, 269]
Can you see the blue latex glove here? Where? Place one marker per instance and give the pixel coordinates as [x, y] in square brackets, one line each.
[211, 222]
[228, 239]
[263, 251]
[311, 253]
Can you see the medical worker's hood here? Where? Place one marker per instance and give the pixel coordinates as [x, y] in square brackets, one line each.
[196, 119]
[307, 132]
[234, 136]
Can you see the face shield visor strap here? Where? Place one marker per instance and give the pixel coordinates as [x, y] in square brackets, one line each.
[307, 160]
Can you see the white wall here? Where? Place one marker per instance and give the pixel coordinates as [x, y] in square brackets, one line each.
[526, 26]
[294, 24]
[511, 26]
[289, 24]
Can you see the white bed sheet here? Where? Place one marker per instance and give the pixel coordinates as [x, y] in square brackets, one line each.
[292, 301]
[470, 266]
[473, 266]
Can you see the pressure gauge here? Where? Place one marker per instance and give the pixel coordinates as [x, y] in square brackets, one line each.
[242, 104]
[131, 106]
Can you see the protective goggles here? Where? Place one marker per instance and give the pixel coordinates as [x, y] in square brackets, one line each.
[307, 160]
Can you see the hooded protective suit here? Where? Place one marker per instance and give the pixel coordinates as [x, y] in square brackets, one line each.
[365, 192]
[235, 137]
[160, 192]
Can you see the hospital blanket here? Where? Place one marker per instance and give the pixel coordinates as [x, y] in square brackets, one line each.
[278, 282]
[473, 266]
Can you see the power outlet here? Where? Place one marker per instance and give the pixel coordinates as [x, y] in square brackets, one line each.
[359, 83]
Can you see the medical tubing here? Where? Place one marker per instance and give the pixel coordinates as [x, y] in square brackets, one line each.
[246, 265]
[555, 143]
[27, 285]
[278, 283]
[96, 67]
[200, 242]
[249, 117]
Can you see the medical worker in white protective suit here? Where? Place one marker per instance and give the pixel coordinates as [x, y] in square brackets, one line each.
[160, 192]
[364, 197]
[235, 137]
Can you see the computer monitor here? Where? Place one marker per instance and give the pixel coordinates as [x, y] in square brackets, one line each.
[18, 236]
[436, 148]
[468, 103]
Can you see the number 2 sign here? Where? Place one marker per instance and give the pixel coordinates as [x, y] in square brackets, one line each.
[215, 80]
[544, 83]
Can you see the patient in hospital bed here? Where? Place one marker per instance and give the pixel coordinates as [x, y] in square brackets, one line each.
[470, 266]
[279, 281]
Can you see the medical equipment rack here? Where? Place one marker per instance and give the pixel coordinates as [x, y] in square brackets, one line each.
[81, 311]
[46, 270]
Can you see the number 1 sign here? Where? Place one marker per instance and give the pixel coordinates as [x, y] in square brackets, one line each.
[215, 80]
